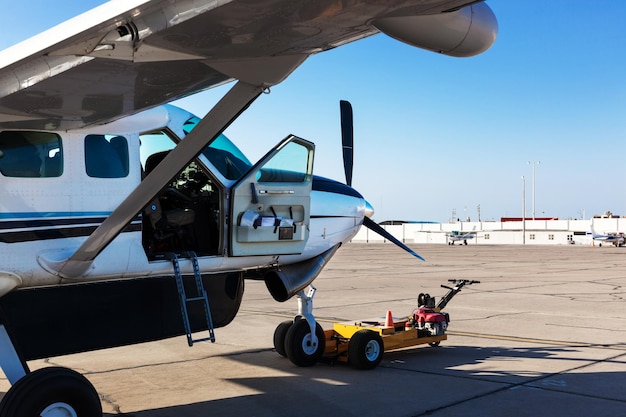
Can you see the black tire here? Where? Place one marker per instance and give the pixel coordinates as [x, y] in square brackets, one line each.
[50, 389]
[365, 349]
[435, 344]
[298, 345]
[279, 337]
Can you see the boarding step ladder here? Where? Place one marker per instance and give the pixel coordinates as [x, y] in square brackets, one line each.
[201, 296]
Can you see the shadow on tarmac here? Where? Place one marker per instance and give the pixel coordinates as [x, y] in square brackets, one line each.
[444, 381]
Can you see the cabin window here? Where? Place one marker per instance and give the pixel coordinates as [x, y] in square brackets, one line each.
[106, 156]
[30, 154]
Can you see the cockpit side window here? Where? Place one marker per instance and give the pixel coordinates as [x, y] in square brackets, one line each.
[223, 154]
[292, 163]
[153, 143]
[106, 156]
[30, 154]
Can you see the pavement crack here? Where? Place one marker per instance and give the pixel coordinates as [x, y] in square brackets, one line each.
[107, 400]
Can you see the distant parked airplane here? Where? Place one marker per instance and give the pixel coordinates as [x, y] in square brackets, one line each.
[616, 239]
[457, 236]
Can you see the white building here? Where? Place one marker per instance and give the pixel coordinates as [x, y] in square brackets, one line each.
[530, 232]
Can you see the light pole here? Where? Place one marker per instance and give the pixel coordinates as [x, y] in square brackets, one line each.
[523, 210]
[534, 163]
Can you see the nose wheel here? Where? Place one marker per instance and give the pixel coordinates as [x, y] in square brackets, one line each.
[304, 348]
[280, 334]
[301, 340]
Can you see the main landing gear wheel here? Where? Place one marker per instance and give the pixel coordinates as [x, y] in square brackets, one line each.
[299, 345]
[279, 337]
[51, 392]
[365, 349]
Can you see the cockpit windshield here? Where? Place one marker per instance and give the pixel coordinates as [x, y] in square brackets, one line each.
[223, 154]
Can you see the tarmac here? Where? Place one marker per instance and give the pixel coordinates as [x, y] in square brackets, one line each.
[543, 334]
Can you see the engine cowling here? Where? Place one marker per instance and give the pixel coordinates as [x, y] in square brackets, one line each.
[287, 281]
[465, 32]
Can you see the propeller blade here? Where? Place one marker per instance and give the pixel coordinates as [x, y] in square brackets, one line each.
[375, 227]
[347, 138]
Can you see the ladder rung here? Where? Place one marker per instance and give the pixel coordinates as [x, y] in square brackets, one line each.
[205, 339]
[196, 299]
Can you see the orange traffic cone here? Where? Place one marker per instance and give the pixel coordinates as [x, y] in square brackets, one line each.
[389, 319]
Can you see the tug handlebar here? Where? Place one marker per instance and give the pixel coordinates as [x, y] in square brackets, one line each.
[452, 291]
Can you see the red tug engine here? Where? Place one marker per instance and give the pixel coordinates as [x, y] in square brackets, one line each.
[428, 318]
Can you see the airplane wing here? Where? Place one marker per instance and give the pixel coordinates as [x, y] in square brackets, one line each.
[129, 55]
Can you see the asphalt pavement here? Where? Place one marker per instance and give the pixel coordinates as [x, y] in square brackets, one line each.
[543, 334]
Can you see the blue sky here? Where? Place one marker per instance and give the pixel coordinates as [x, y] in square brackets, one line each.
[435, 134]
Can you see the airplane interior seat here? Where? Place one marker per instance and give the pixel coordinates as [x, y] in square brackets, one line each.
[153, 160]
[165, 221]
[54, 166]
[101, 158]
[120, 145]
[18, 157]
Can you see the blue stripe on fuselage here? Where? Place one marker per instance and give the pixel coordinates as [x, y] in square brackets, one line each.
[332, 186]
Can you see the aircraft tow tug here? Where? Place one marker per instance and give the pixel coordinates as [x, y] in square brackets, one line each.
[362, 343]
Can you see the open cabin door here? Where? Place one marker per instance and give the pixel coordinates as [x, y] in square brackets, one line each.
[270, 205]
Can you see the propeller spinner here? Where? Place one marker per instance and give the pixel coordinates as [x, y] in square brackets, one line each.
[347, 143]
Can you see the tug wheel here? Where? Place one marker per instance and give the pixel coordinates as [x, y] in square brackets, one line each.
[51, 392]
[434, 344]
[299, 345]
[365, 349]
[279, 337]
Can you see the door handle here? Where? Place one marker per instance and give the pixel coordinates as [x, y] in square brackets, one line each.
[276, 192]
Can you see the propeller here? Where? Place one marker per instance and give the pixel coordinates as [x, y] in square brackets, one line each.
[376, 228]
[347, 138]
[347, 144]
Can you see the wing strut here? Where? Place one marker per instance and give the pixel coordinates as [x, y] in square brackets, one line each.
[238, 98]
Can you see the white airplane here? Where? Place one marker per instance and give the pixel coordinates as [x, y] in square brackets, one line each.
[125, 220]
[615, 239]
[458, 236]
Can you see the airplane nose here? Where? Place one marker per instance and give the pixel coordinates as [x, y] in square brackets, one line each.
[369, 210]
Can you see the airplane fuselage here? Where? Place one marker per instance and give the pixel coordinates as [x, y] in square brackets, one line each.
[47, 213]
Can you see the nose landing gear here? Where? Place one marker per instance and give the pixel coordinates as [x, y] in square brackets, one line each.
[302, 339]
